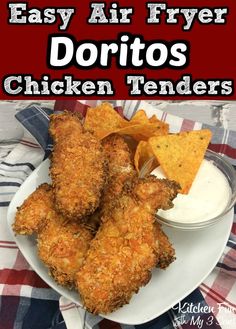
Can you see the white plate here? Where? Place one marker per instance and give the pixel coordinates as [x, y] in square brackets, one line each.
[197, 254]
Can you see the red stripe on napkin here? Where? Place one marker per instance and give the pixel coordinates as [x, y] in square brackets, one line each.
[213, 298]
[234, 229]
[9, 308]
[187, 125]
[67, 306]
[218, 297]
[8, 247]
[7, 242]
[35, 146]
[23, 277]
[105, 324]
[223, 148]
[20, 262]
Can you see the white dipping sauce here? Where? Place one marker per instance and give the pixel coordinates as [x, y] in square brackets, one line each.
[208, 197]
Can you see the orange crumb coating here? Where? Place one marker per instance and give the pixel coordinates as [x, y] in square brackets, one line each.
[124, 251]
[31, 215]
[166, 252]
[120, 168]
[78, 167]
[63, 246]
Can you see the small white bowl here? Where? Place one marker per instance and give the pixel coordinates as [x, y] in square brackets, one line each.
[230, 174]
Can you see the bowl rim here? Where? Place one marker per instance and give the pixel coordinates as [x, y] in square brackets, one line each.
[204, 223]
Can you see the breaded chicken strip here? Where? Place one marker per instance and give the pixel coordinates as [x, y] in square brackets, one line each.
[124, 250]
[31, 216]
[62, 246]
[120, 169]
[78, 167]
[166, 253]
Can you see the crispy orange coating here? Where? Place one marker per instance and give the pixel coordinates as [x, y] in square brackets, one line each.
[120, 169]
[62, 246]
[31, 215]
[124, 250]
[166, 253]
[78, 167]
[119, 156]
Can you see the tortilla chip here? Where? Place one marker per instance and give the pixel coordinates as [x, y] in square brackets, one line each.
[140, 117]
[180, 155]
[143, 128]
[143, 154]
[103, 120]
[164, 125]
[142, 131]
[154, 119]
[163, 129]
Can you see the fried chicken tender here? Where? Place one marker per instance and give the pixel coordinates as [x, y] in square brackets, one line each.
[78, 167]
[120, 168]
[31, 215]
[166, 253]
[63, 246]
[124, 251]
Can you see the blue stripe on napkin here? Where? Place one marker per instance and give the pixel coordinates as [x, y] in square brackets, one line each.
[35, 119]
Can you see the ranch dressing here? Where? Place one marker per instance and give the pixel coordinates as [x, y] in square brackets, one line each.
[208, 197]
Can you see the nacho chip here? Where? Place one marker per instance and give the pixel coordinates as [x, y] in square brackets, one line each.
[142, 154]
[140, 117]
[154, 119]
[103, 120]
[180, 155]
[142, 131]
[143, 128]
[162, 124]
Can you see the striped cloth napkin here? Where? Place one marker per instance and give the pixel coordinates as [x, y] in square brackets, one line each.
[27, 302]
